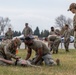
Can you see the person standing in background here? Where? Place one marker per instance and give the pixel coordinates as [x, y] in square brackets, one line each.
[52, 31]
[27, 30]
[9, 34]
[66, 36]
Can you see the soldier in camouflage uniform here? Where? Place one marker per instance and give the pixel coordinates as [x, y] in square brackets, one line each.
[72, 8]
[42, 52]
[9, 34]
[66, 36]
[8, 50]
[55, 40]
[52, 31]
[27, 30]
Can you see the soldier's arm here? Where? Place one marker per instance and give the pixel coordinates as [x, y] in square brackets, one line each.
[40, 53]
[23, 31]
[8, 53]
[28, 53]
[12, 33]
[7, 61]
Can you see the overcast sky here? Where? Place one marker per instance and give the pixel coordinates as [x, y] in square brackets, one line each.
[41, 13]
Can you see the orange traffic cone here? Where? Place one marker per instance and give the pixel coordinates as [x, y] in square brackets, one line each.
[16, 51]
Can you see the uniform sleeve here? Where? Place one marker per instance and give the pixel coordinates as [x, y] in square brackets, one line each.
[8, 53]
[74, 23]
[23, 31]
[6, 35]
[12, 32]
[30, 31]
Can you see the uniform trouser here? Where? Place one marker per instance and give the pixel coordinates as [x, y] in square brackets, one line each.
[47, 60]
[56, 45]
[51, 45]
[66, 44]
[75, 39]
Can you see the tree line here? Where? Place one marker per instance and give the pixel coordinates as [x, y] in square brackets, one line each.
[60, 21]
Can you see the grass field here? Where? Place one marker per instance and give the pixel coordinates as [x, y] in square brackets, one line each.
[67, 66]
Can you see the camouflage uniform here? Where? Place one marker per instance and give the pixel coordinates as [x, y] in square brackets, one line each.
[55, 40]
[9, 34]
[51, 45]
[73, 6]
[46, 52]
[27, 31]
[52, 32]
[8, 51]
[74, 25]
[66, 36]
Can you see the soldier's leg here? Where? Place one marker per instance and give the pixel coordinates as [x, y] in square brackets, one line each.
[40, 61]
[50, 45]
[75, 39]
[57, 45]
[65, 45]
[48, 60]
[57, 42]
[55, 48]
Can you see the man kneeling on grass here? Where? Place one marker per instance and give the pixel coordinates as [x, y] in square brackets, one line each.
[8, 50]
[42, 52]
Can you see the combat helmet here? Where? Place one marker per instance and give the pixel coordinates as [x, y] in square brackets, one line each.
[72, 6]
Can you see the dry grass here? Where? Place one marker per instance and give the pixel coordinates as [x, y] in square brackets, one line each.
[67, 67]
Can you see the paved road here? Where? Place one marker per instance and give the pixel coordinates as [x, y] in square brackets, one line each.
[71, 46]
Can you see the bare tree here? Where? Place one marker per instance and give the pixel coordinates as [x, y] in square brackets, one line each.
[3, 23]
[62, 20]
